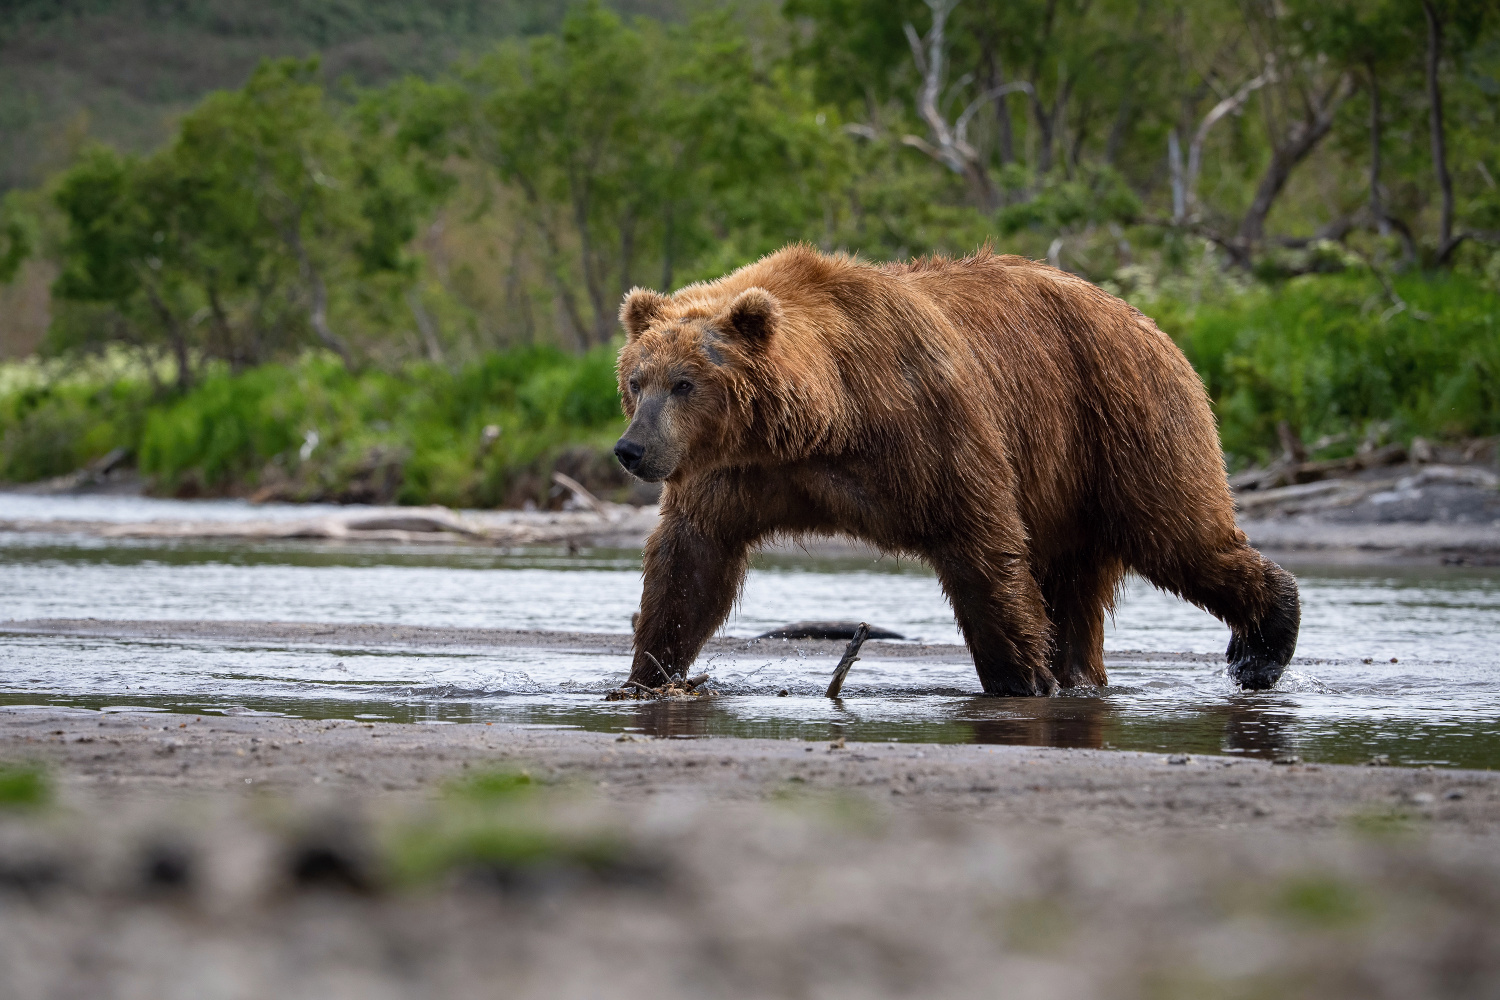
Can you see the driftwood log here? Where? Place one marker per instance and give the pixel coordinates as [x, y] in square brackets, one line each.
[851, 653]
[583, 496]
[1288, 471]
[826, 630]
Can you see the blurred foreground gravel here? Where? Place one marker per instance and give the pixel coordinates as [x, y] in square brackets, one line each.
[254, 857]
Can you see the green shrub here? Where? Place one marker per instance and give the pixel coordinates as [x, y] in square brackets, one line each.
[324, 431]
[50, 430]
[1332, 354]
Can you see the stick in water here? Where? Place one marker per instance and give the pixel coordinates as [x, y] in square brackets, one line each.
[851, 653]
[660, 669]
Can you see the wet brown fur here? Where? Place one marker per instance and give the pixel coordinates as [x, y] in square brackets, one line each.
[1029, 435]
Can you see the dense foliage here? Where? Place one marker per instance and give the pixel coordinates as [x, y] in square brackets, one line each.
[486, 434]
[1331, 356]
[1304, 194]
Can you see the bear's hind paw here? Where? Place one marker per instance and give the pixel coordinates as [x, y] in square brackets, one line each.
[1256, 673]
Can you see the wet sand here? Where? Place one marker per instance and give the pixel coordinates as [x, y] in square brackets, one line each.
[124, 753]
[253, 856]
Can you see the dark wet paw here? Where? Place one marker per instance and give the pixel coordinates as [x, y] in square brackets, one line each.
[1256, 673]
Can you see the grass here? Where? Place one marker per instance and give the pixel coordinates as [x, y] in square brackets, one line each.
[1321, 900]
[313, 430]
[493, 787]
[494, 826]
[23, 787]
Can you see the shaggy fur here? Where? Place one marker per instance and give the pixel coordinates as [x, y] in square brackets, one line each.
[1027, 434]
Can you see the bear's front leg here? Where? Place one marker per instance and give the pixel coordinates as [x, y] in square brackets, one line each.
[692, 577]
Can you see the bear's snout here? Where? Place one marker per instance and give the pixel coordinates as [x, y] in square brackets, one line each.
[629, 453]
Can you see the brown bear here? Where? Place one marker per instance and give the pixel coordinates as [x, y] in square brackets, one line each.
[1024, 432]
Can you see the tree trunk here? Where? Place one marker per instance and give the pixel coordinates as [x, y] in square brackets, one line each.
[1044, 121]
[318, 316]
[1446, 240]
[1377, 208]
[1385, 222]
[1304, 138]
[950, 145]
[1179, 177]
[1121, 127]
[994, 78]
[176, 336]
[627, 255]
[1080, 134]
[593, 282]
[553, 264]
[666, 250]
[425, 326]
[317, 292]
[222, 327]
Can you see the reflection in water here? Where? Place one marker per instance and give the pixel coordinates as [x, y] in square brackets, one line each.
[672, 719]
[1250, 728]
[1253, 726]
[1043, 722]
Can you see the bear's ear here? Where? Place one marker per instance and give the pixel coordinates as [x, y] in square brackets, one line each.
[753, 315]
[640, 307]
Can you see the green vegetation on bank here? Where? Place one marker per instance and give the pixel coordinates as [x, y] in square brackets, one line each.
[1328, 355]
[488, 434]
[1334, 355]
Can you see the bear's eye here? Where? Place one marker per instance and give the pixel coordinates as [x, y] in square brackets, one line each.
[682, 388]
[635, 387]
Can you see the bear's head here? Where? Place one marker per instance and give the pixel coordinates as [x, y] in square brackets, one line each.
[686, 378]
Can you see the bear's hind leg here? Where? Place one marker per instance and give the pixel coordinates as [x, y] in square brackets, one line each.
[1079, 592]
[1256, 598]
[1259, 652]
[1000, 612]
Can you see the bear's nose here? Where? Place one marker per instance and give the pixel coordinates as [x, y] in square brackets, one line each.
[629, 453]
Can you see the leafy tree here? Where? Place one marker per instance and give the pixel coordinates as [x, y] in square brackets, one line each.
[638, 154]
[15, 238]
[266, 225]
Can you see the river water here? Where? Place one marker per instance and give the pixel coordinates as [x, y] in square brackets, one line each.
[1397, 663]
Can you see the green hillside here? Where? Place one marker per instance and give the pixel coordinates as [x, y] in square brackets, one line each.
[119, 70]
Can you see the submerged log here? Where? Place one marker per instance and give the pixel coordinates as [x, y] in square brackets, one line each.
[827, 630]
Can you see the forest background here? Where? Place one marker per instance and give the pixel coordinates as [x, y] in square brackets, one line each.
[319, 249]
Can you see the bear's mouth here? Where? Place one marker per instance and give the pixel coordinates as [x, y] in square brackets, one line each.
[635, 459]
[648, 473]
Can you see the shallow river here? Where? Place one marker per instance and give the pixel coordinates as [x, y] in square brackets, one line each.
[1393, 662]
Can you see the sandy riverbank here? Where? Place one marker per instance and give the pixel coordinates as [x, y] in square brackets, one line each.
[251, 856]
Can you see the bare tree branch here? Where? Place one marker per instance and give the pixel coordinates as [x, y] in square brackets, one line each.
[1299, 141]
[1229, 105]
[317, 313]
[949, 144]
